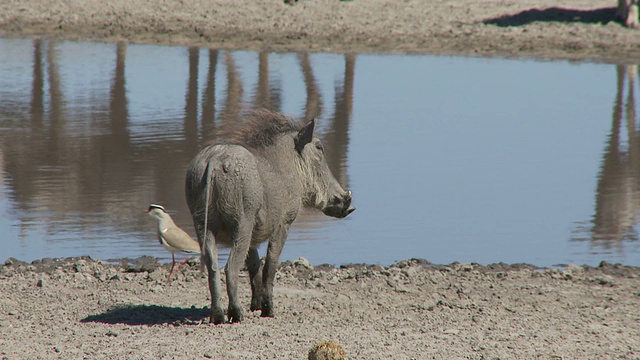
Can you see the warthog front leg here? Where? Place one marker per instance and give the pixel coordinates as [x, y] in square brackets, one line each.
[253, 264]
[210, 252]
[270, 267]
[241, 241]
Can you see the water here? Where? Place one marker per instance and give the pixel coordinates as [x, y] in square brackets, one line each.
[449, 159]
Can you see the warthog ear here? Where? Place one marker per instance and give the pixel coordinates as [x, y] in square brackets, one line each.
[304, 136]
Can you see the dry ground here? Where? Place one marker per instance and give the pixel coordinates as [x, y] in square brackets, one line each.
[576, 29]
[80, 308]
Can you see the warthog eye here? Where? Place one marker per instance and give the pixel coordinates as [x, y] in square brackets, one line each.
[319, 147]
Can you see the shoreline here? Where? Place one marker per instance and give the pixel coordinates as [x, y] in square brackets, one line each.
[147, 263]
[578, 30]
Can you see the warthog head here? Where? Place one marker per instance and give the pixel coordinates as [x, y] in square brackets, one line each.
[321, 189]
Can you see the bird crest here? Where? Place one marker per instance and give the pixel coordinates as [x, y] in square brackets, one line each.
[154, 206]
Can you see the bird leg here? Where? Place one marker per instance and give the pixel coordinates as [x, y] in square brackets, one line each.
[173, 263]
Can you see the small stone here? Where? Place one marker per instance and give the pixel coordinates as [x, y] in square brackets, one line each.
[573, 272]
[13, 312]
[303, 262]
[604, 280]
[40, 283]
[466, 267]
[111, 333]
[208, 356]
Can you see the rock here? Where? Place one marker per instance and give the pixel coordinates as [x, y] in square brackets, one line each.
[573, 272]
[465, 267]
[604, 280]
[303, 262]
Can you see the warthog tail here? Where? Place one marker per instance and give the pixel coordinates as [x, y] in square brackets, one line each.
[207, 184]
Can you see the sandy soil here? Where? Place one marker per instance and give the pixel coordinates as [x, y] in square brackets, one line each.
[81, 308]
[570, 29]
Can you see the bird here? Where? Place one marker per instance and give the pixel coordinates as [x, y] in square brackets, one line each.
[171, 237]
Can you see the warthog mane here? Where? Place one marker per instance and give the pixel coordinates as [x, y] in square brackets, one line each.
[258, 129]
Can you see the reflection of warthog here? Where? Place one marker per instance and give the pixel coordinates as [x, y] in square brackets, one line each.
[253, 184]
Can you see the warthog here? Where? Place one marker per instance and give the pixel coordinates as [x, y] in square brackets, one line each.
[253, 183]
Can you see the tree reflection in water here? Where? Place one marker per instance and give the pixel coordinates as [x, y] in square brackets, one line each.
[77, 172]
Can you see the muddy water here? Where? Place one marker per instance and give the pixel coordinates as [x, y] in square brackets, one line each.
[449, 159]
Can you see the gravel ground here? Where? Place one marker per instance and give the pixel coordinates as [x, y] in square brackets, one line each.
[81, 308]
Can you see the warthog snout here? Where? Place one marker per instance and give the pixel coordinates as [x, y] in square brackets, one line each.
[339, 206]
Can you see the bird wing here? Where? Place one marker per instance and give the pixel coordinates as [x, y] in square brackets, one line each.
[180, 240]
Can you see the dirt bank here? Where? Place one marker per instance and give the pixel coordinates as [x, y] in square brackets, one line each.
[77, 308]
[579, 29]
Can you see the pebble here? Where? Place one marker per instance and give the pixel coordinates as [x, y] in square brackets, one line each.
[604, 280]
[157, 289]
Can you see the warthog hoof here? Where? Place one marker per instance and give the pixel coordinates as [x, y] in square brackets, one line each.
[217, 316]
[267, 309]
[235, 313]
[255, 304]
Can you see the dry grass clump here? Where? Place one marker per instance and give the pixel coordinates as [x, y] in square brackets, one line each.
[327, 350]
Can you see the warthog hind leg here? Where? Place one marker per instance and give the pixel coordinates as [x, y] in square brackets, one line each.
[211, 259]
[254, 266]
[237, 257]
